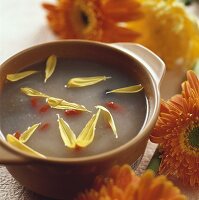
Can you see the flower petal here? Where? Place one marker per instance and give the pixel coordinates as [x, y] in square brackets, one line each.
[50, 67]
[88, 132]
[193, 81]
[127, 90]
[67, 134]
[33, 93]
[64, 105]
[20, 75]
[19, 145]
[28, 133]
[108, 117]
[85, 81]
[122, 11]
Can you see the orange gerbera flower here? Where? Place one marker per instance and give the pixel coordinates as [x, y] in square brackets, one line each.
[93, 19]
[121, 183]
[177, 132]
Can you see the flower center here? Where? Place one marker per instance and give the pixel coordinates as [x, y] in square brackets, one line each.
[193, 137]
[84, 18]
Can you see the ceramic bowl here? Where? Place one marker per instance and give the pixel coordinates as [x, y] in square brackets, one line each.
[62, 178]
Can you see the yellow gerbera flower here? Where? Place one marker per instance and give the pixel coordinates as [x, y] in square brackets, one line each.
[169, 31]
[122, 183]
[93, 19]
[177, 132]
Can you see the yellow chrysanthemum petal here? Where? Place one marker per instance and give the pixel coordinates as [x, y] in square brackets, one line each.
[88, 132]
[169, 31]
[20, 75]
[66, 132]
[16, 143]
[28, 133]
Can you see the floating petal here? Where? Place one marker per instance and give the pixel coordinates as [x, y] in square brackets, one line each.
[19, 145]
[20, 75]
[85, 81]
[88, 132]
[108, 118]
[33, 93]
[127, 90]
[67, 134]
[28, 133]
[62, 104]
[54, 102]
[50, 66]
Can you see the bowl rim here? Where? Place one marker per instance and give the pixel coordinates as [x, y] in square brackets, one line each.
[100, 156]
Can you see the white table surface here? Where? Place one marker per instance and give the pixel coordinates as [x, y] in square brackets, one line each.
[23, 24]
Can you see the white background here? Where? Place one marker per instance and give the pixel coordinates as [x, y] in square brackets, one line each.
[22, 24]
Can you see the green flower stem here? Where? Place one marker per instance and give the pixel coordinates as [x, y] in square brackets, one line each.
[188, 2]
[155, 161]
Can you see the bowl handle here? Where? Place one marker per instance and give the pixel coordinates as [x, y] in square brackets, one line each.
[9, 156]
[155, 65]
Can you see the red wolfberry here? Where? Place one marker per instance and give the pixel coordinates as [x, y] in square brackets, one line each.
[72, 112]
[113, 105]
[17, 134]
[44, 126]
[78, 148]
[34, 102]
[44, 108]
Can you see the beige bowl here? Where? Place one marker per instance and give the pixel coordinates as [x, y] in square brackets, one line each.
[62, 178]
